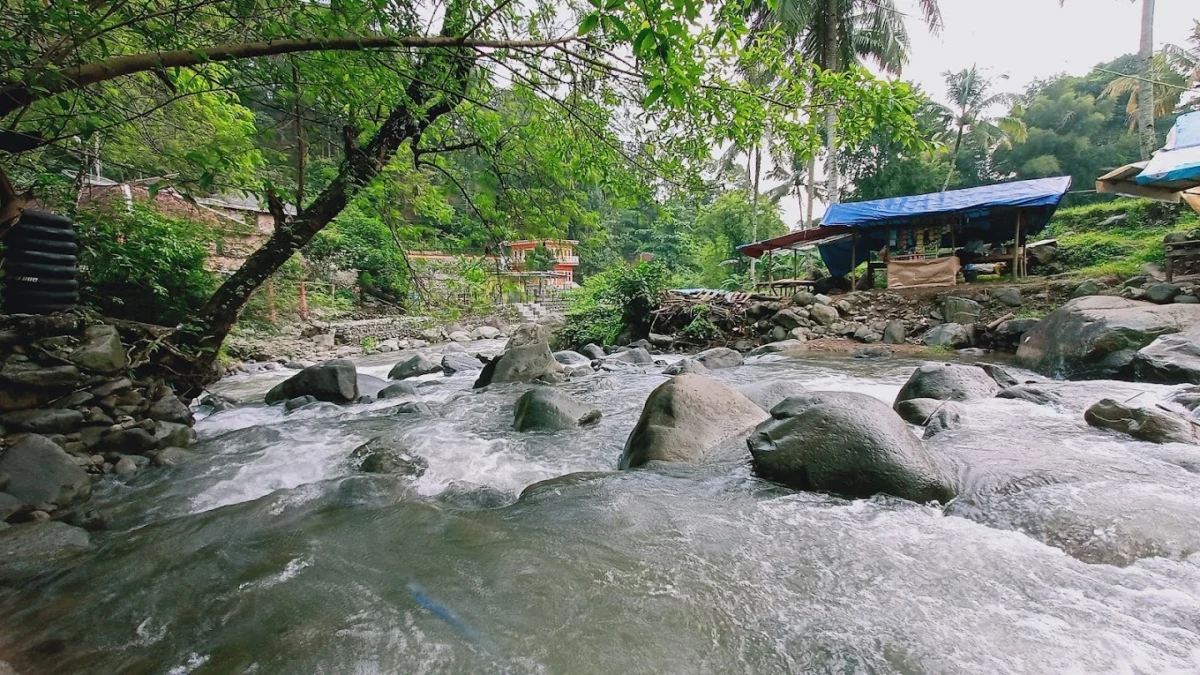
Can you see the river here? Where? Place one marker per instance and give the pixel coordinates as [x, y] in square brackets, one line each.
[1070, 550]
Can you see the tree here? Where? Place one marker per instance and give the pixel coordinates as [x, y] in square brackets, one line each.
[970, 99]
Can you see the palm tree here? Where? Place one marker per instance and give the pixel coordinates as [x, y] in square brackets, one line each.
[1169, 84]
[970, 99]
[798, 180]
[1145, 82]
[836, 34]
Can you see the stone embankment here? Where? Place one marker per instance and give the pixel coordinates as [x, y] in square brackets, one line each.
[72, 410]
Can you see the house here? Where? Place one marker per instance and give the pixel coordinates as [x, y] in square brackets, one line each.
[561, 275]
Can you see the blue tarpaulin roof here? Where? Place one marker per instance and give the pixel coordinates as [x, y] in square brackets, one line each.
[1179, 160]
[901, 210]
[987, 214]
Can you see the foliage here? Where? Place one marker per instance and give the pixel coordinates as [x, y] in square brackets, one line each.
[701, 328]
[615, 304]
[137, 264]
[369, 344]
[1088, 247]
[540, 259]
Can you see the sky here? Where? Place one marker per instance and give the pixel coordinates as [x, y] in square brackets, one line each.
[1025, 40]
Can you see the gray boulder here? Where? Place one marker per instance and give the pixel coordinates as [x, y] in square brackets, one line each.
[771, 393]
[661, 341]
[43, 377]
[176, 434]
[686, 366]
[720, 357]
[961, 310]
[1033, 393]
[397, 390]
[776, 347]
[1007, 296]
[459, 362]
[685, 419]
[414, 366]
[823, 314]
[369, 385]
[485, 333]
[846, 443]
[920, 411]
[172, 456]
[170, 409]
[873, 352]
[334, 381]
[44, 421]
[385, 454]
[1015, 328]
[947, 417]
[953, 335]
[637, 356]
[547, 409]
[1097, 337]
[524, 363]
[947, 382]
[101, 351]
[1161, 293]
[414, 408]
[41, 472]
[893, 333]
[570, 358]
[1147, 423]
[527, 334]
[1170, 359]
[1086, 289]
[298, 402]
[999, 374]
[787, 319]
[592, 351]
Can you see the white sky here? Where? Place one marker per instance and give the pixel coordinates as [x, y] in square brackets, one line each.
[1026, 40]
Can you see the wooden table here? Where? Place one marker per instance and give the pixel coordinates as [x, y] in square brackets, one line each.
[785, 284]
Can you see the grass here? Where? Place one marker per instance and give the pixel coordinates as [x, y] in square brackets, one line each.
[1090, 249]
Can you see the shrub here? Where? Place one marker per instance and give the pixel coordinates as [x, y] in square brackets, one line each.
[369, 344]
[136, 264]
[701, 328]
[615, 303]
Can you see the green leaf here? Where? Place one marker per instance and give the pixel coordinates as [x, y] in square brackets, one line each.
[655, 94]
[639, 42]
[589, 23]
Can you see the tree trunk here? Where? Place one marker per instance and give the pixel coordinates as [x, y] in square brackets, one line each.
[953, 158]
[832, 63]
[1145, 86]
[405, 123]
[757, 151]
[812, 191]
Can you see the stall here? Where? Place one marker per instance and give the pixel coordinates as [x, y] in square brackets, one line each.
[800, 245]
[926, 240]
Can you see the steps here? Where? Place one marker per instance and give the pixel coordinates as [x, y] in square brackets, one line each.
[536, 312]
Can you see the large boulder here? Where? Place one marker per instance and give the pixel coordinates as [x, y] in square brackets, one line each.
[635, 355]
[720, 357]
[952, 335]
[397, 390]
[170, 409]
[1162, 293]
[686, 418]
[570, 358]
[1147, 423]
[386, 454]
[1009, 296]
[29, 547]
[41, 472]
[1171, 359]
[592, 351]
[947, 382]
[369, 385]
[849, 444]
[414, 366]
[459, 362]
[961, 310]
[823, 314]
[527, 334]
[776, 347]
[334, 381]
[920, 411]
[893, 333]
[44, 421]
[686, 366]
[101, 351]
[546, 409]
[1097, 337]
[524, 363]
[769, 394]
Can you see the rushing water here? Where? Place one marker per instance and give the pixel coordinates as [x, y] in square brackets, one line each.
[1070, 550]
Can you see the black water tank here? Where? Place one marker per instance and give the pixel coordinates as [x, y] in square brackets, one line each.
[41, 265]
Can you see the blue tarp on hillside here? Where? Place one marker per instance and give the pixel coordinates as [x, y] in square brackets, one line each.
[986, 214]
[1179, 160]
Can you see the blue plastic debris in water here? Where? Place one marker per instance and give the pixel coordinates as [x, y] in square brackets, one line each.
[445, 614]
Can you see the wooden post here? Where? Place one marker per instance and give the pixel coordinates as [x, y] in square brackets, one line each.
[853, 260]
[1017, 249]
[272, 315]
[795, 265]
[770, 273]
[303, 300]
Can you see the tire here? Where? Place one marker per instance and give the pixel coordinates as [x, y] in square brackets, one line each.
[41, 297]
[45, 219]
[38, 270]
[16, 285]
[16, 242]
[42, 232]
[19, 256]
[36, 309]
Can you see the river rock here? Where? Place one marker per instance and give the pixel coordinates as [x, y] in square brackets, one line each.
[661, 341]
[125, 467]
[1161, 293]
[947, 382]
[32, 545]
[334, 381]
[686, 366]
[397, 390]
[873, 352]
[45, 377]
[466, 495]
[298, 402]
[637, 356]
[919, 411]
[947, 416]
[1013, 329]
[385, 454]
[1170, 359]
[1085, 289]
[686, 418]
[1007, 296]
[44, 421]
[720, 357]
[953, 335]
[1147, 423]
[960, 310]
[41, 472]
[893, 333]
[846, 443]
[128, 441]
[414, 366]
[1033, 393]
[592, 351]
[547, 409]
[823, 314]
[527, 334]
[769, 394]
[776, 347]
[524, 363]
[101, 351]
[460, 363]
[570, 358]
[170, 409]
[485, 333]
[1097, 337]
[414, 408]
[172, 456]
